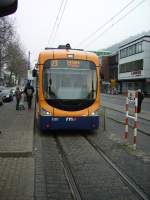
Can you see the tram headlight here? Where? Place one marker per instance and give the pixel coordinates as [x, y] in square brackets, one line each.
[95, 113]
[44, 112]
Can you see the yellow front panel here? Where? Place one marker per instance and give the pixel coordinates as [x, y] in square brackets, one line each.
[63, 54]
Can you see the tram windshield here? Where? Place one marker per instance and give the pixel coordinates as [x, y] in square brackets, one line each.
[69, 80]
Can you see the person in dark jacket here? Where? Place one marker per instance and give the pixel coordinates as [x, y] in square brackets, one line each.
[140, 99]
[29, 90]
[18, 97]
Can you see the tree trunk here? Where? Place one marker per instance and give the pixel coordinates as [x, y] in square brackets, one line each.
[10, 79]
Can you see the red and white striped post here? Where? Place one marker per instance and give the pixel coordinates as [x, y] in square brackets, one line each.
[135, 121]
[134, 97]
[126, 120]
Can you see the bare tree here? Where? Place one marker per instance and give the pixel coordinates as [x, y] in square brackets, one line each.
[16, 61]
[6, 35]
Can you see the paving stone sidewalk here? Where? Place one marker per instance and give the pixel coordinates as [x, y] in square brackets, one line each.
[16, 153]
[16, 131]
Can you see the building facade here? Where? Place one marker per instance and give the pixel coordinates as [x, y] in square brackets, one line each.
[109, 73]
[134, 65]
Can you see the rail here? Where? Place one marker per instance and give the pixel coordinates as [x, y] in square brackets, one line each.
[68, 171]
[134, 187]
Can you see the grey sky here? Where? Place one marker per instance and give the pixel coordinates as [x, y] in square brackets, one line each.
[35, 20]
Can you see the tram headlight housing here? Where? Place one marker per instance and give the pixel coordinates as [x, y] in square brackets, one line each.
[44, 112]
[95, 113]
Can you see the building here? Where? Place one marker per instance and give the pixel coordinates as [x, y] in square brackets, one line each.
[134, 65]
[109, 73]
[104, 72]
[127, 66]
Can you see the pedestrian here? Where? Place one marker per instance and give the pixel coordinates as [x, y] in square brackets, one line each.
[140, 99]
[18, 97]
[29, 90]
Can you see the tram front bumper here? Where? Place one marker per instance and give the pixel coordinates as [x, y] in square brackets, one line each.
[55, 123]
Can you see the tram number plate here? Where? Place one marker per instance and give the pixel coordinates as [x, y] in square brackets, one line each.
[70, 119]
[55, 119]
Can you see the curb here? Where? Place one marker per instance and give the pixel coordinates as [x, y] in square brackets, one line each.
[15, 154]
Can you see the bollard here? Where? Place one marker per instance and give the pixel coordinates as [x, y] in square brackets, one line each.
[126, 122]
[135, 121]
[132, 96]
[105, 116]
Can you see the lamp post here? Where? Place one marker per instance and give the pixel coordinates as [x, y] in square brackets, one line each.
[29, 60]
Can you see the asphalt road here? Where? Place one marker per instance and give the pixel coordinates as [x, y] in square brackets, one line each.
[121, 100]
[113, 106]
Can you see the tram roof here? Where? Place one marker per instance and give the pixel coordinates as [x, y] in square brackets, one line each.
[65, 53]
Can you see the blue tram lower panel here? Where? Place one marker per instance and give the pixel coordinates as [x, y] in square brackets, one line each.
[85, 123]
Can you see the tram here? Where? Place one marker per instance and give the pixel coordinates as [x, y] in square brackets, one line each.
[68, 95]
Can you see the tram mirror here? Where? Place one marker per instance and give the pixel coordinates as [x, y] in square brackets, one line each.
[34, 73]
[8, 7]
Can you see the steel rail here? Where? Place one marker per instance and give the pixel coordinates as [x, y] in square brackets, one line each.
[133, 186]
[68, 171]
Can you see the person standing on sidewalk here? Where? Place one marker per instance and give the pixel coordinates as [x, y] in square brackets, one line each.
[29, 90]
[140, 99]
[18, 97]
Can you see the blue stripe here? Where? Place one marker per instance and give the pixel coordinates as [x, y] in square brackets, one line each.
[54, 123]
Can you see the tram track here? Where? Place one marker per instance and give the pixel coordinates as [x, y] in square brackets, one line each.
[68, 172]
[62, 143]
[72, 180]
[129, 182]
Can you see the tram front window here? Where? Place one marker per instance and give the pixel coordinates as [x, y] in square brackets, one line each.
[69, 80]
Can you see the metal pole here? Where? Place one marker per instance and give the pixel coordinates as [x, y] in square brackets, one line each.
[135, 122]
[29, 60]
[105, 113]
[126, 121]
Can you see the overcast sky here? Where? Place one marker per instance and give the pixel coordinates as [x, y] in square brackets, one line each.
[36, 20]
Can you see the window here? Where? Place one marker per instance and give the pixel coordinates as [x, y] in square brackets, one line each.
[131, 50]
[131, 66]
[140, 47]
[136, 49]
[69, 79]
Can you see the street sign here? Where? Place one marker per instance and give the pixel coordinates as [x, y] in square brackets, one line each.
[131, 96]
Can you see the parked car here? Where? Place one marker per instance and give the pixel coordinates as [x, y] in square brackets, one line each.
[2, 88]
[13, 89]
[1, 98]
[7, 95]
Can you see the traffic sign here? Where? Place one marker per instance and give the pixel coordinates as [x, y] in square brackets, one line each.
[131, 96]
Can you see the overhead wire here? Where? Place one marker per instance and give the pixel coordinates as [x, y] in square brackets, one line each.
[57, 27]
[112, 25]
[106, 23]
[55, 23]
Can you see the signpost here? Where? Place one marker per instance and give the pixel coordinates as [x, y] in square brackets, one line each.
[132, 97]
